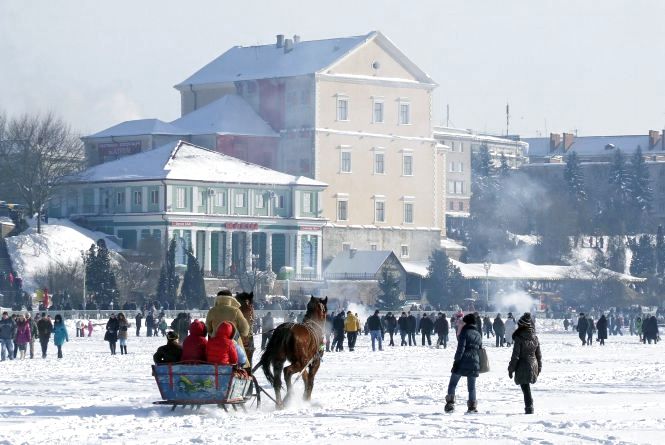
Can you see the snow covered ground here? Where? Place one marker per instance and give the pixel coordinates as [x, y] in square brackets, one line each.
[611, 395]
[60, 242]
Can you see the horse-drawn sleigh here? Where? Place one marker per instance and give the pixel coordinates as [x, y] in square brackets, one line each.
[197, 384]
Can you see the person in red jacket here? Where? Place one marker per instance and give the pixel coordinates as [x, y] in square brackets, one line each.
[195, 345]
[221, 347]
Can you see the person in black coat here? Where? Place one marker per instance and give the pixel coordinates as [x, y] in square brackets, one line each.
[466, 364]
[391, 326]
[601, 327]
[441, 327]
[526, 361]
[149, 324]
[375, 329]
[499, 330]
[426, 327]
[412, 325]
[170, 352]
[582, 326]
[139, 320]
[44, 329]
[650, 330]
[338, 328]
[111, 336]
[403, 324]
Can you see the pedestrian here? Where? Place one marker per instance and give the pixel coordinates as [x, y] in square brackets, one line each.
[7, 334]
[90, 327]
[441, 327]
[466, 364]
[338, 328]
[510, 326]
[375, 330]
[650, 329]
[638, 327]
[170, 352]
[487, 326]
[582, 326]
[123, 326]
[150, 324]
[162, 326]
[403, 325]
[526, 360]
[138, 320]
[351, 328]
[601, 327]
[267, 328]
[566, 323]
[111, 335]
[499, 330]
[44, 329]
[33, 332]
[14, 318]
[23, 335]
[391, 326]
[590, 329]
[412, 326]
[60, 335]
[426, 328]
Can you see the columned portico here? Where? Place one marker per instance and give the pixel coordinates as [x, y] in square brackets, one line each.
[248, 251]
[269, 251]
[207, 258]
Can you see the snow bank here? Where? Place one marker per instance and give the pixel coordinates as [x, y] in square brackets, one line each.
[60, 242]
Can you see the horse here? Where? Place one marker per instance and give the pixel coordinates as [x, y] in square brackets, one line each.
[300, 344]
[246, 301]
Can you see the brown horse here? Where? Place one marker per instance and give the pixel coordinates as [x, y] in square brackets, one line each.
[246, 301]
[299, 343]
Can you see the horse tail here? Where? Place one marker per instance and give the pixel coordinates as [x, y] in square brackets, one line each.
[276, 346]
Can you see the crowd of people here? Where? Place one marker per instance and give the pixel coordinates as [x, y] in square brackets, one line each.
[645, 326]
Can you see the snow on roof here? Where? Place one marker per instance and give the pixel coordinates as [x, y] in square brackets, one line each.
[593, 145]
[230, 114]
[268, 61]
[449, 244]
[139, 127]
[522, 270]
[184, 161]
[416, 267]
[356, 262]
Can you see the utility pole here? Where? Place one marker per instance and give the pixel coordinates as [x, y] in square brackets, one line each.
[507, 119]
[447, 115]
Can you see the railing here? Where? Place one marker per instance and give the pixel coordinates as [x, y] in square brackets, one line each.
[350, 276]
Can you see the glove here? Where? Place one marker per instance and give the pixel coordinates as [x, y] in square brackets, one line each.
[510, 374]
[455, 368]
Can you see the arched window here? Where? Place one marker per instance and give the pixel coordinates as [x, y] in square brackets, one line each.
[308, 256]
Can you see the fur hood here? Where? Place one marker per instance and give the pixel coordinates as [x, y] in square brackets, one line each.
[225, 300]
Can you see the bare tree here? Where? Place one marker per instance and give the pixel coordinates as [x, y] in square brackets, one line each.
[36, 153]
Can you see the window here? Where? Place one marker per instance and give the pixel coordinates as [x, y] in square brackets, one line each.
[380, 211]
[345, 161]
[342, 210]
[407, 164]
[240, 199]
[451, 205]
[307, 202]
[452, 145]
[379, 163]
[405, 251]
[120, 198]
[408, 213]
[279, 201]
[181, 201]
[138, 198]
[202, 197]
[346, 247]
[460, 206]
[404, 113]
[154, 196]
[342, 108]
[372, 247]
[455, 166]
[377, 114]
[220, 199]
[260, 203]
[455, 187]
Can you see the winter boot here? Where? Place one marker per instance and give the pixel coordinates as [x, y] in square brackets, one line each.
[528, 409]
[450, 403]
[125, 349]
[472, 406]
[122, 350]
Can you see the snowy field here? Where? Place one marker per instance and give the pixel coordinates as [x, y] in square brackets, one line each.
[611, 395]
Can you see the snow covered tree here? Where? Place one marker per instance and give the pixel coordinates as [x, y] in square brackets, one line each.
[616, 254]
[193, 287]
[574, 178]
[444, 281]
[621, 182]
[167, 287]
[641, 195]
[643, 262]
[100, 278]
[660, 251]
[504, 167]
[389, 290]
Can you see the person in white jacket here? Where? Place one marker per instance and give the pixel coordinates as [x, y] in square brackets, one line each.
[510, 327]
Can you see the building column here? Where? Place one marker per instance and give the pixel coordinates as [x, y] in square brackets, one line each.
[228, 255]
[207, 256]
[248, 251]
[193, 244]
[319, 253]
[298, 253]
[269, 251]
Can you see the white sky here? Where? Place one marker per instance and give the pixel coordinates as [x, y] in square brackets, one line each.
[563, 65]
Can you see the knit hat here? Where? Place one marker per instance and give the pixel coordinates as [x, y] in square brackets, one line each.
[525, 320]
[469, 319]
[171, 336]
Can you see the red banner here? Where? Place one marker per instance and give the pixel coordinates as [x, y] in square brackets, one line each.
[242, 226]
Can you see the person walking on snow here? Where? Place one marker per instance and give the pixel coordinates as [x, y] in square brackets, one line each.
[351, 327]
[138, 319]
[111, 335]
[60, 335]
[601, 327]
[441, 327]
[466, 364]
[590, 329]
[582, 326]
[375, 330]
[7, 334]
[510, 327]
[123, 328]
[23, 335]
[499, 330]
[526, 360]
[44, 329]
[426, 327]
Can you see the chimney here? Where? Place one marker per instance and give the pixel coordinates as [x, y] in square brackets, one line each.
[280, 41]
[555, 141]
[296, 39]
[568, 140]
[288, 46]
[654, 139]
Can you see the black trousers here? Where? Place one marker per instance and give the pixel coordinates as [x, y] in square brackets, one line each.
[338, 342]
[412, 336]
[352, 336]
[392, 343]
[442, 340]
[43, 341]
[427, 335]
[59, 351]
[526, 390]
[138, 330]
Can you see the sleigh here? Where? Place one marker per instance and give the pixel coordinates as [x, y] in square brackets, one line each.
[200, 383]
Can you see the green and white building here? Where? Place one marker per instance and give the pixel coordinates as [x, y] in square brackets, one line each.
[234, 215]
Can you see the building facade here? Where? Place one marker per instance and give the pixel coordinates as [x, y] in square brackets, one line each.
[233, 215]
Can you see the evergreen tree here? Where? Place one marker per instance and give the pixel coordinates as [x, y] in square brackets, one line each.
[482, 235]
[193, 287]
[167, 287]
[437, 278]
[660, 251]
[643, 262]
[574, 178]
[389, 297]
[621, 181]
[504, 167]
[641, 195]
[100, 278]
[616, 254]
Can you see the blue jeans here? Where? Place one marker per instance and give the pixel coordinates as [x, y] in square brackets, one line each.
[7, 345]
[376, 335]
[470, 384]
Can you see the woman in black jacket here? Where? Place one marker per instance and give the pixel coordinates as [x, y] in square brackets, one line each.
[466, 364]
[111, 336]
[526, 361]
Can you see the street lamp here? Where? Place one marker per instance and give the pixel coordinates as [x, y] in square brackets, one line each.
[83, 257]
[487, 265]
